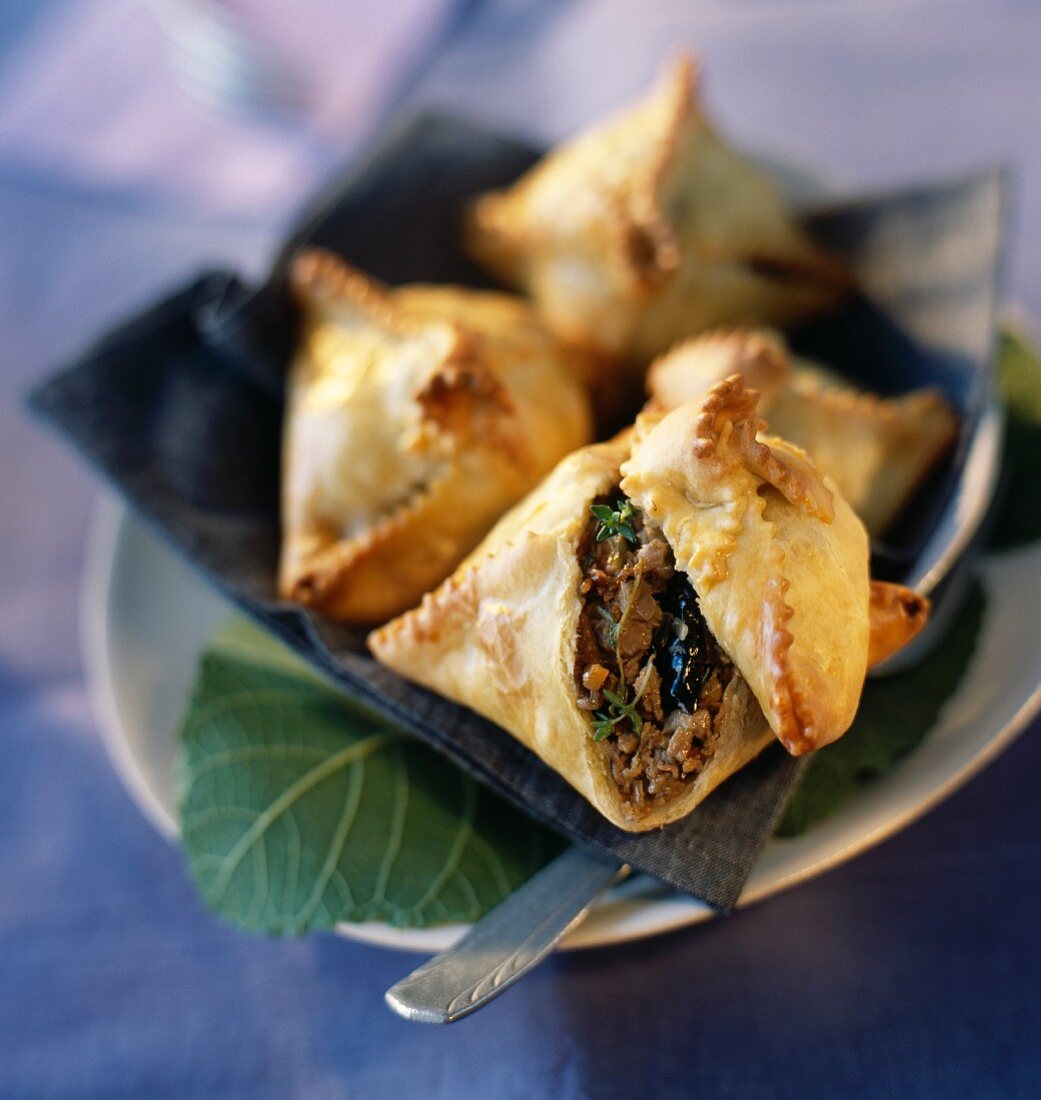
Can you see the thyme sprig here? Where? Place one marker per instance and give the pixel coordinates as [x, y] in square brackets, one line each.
[619, 704]
[620, 626]
[619, 707]
[615, 521]
[617, 710]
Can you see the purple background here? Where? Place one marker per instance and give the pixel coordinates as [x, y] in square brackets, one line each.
[914, 970]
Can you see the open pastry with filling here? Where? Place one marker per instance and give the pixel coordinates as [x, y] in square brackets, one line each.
[648, 228]
[415, 417]
[660, 609]
[877, 450]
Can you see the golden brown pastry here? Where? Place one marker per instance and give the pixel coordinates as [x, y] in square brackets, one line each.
[686, 371]
[415, 417]
[659, 609]
[897, 615]
[877, 450]
[778, 558]
[648, 228]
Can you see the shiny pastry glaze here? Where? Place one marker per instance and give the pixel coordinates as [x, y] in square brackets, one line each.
[647, 669]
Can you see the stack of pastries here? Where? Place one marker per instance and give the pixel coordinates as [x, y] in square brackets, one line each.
[645, 613]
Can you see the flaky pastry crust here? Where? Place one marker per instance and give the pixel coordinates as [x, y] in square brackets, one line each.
[769, 546]
[648, 228]
[696, 364]
[877, 450]
[777, 557]
[414, 419]
[897, 616]
[500, 635]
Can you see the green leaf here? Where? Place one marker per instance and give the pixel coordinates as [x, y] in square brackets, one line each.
[603, 725]
[1019, 378]
[614, 521]
[300, 808]
[895, 715]
[618, 710]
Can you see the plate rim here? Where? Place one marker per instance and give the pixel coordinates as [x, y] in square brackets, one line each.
[110, 521]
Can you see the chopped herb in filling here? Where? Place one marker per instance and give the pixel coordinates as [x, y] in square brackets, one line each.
[647, 669]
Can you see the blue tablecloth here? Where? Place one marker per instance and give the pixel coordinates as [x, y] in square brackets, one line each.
[913, 970]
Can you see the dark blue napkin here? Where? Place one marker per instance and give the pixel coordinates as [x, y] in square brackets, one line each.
[181, 410]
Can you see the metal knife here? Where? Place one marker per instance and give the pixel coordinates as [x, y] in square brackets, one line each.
[508, 942]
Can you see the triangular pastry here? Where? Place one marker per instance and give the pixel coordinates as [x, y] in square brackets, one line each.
[660, 609]
[415, 417]
[648, 228]
[877, 450]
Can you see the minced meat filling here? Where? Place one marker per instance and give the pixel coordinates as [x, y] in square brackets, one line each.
[647, 669]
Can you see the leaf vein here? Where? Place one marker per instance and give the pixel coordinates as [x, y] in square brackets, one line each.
[346, 756]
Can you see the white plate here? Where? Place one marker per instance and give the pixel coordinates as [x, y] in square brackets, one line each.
[146, 618]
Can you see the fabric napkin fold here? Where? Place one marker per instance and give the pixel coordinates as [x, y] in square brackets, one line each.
[181, 410]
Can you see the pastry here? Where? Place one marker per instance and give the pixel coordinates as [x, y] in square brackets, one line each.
[660, 609]
[877, 450]
[648, 228]
[415, 417]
